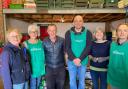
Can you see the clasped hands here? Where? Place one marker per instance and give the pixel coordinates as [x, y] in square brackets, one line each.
[77, 61]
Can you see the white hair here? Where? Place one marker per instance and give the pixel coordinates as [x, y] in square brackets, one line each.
[32, 27]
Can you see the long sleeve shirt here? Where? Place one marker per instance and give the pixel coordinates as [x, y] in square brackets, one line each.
[68, 44]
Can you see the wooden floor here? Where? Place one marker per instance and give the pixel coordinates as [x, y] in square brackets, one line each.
[1, 84]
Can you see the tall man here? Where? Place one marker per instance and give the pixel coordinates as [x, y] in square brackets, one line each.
[54, 54]
[78, 44]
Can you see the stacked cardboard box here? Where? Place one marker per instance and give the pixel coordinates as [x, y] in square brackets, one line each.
[17, 1]
[16, 4]
[29, 4]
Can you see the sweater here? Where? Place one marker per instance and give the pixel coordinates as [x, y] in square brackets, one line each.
[100, 50]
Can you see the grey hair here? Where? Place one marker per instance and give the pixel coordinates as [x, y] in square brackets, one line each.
[102, 30]
[32, 26]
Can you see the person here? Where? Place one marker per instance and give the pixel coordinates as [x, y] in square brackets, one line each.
[118, 63]
[99, 56]
[78, 44]
[15, 68]
[37, 57]
[54, 54]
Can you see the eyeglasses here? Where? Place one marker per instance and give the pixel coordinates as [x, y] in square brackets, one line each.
[17, 37]
[33, 31]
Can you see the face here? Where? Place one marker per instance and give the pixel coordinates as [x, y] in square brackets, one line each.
[99, 35]
[52, 30]
[14, 38]
[122, 32]
[33, 34]
[78, 22]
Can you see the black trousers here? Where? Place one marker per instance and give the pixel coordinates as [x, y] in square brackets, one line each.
[55, 78]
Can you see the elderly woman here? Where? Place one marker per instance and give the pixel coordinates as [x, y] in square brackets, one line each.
[36, 53]
[14, 72]
[100, 59]
[118, 64]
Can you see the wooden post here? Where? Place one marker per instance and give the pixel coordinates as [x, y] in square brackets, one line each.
[2, 38]
[108, 27]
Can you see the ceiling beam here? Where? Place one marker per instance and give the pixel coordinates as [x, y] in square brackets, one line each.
[64, 11]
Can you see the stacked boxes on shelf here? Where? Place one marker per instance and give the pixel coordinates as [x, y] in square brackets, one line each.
[81, 3]
[111, 3]
[42, 4]
[29, 4]
[16, 4]
[96, 3]
[67, 3]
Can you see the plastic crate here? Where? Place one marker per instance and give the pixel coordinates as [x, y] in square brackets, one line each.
[16, 6]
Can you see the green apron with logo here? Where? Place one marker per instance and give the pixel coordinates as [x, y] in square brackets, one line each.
[118, 66]
[78, 43]
[37, 58]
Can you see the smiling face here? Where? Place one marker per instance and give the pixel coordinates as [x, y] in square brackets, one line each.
[99, 35]
[78, 22]
[33, 34]
[14, 38]
[32, 31]
[52, 30]
[122, 32]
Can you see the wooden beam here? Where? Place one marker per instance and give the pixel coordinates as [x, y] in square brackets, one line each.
[102, 17]
[65, 11]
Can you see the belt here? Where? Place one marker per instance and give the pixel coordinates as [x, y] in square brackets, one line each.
[100, 59]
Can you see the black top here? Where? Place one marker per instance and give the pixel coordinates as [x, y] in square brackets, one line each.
[100, 50]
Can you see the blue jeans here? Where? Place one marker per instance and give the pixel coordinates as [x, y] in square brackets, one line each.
[35, 82]
[99, 76]
[76, 72]
[21, 86]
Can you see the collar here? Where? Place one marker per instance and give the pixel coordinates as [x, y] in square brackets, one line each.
[13, 47]
[121, 43]
[55, 41]
[73, 29]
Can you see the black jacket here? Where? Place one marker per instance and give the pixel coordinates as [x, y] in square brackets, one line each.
[15, 66]
[54, 52]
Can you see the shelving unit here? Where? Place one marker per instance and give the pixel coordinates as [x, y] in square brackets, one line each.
[63, 11]
[72, 12]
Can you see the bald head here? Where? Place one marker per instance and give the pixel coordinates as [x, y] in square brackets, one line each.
[78, 22]
[78, 17]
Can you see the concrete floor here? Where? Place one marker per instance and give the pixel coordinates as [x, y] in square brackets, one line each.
[1, 85]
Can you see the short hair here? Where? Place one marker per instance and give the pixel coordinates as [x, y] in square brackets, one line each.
[102, 30]
[32, 27]
[13, 30]
[52, 25]
[120, 25]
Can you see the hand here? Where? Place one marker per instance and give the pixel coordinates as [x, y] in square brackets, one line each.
[77, 61]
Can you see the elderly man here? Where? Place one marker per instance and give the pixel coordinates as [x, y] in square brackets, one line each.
[54, 54]
[78, 42]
